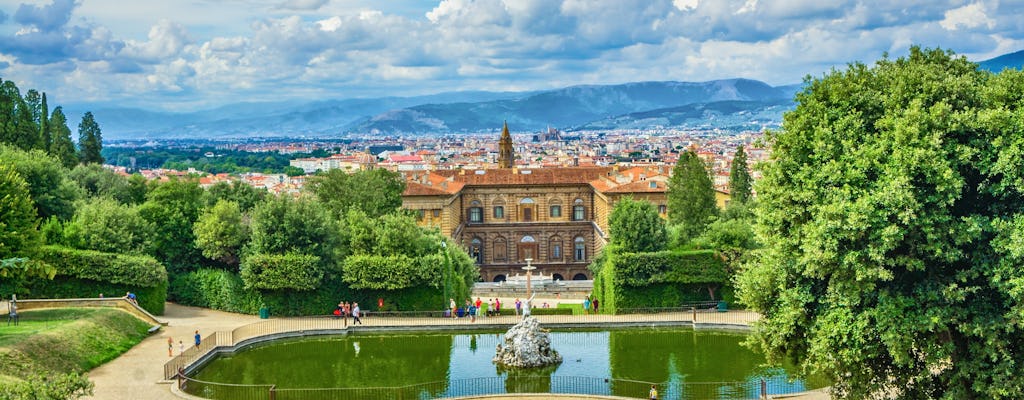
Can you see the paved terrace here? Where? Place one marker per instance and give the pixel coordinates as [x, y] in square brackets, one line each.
[140, 373]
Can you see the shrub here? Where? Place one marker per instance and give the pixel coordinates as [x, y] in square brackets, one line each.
[391, 272]
[281, 271]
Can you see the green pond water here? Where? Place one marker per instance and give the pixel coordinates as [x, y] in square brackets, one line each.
[685, 363]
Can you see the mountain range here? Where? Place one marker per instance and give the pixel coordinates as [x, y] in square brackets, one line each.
[729, 105]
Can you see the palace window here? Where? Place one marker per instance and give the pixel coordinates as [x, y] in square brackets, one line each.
[556, 211]
[420, 214]
[556, 248]
[437, 213]
[476, 212]
[662, 209]
[500, 249]
[499, 212]
[581, 249]
[476, 250]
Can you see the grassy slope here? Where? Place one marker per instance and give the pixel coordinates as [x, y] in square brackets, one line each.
[66, 340]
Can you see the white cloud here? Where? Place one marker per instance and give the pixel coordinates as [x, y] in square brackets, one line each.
[686, 5]
[969, 16]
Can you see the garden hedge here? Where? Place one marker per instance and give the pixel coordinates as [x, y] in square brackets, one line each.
[659, 279]
[88, 273]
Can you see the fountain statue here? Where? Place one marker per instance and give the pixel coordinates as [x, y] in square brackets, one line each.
[527, 346]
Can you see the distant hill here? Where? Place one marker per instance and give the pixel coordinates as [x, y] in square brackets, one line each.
[729, 115]
[568, 107]
[1011, 60]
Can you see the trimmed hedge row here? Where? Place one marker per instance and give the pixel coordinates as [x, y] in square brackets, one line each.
[282, 271]
[224, 290]
[88, 273]
[659, 279]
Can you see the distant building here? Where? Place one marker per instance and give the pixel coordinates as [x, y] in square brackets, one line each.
[558, 217]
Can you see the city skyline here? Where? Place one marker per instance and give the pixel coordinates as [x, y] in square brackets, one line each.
[183, 57]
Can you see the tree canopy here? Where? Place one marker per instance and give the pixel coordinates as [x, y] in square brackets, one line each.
[221, 232]
[375, 192]
[18, 220]
[740, 181]
[90, 140]
[635, 227]
[52, 192]
[891, 216]
[691, 195]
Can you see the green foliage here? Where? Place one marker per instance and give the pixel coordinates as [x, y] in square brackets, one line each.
[246, 196]
[284, 225]
[392, 272]
[48, 387]
[225, 161]
[52, 192]
[103, 224]
[375, 192]
[731, 236]
[215, 288]
[173, 207]
[741, 184]
[642, 269]
[18, 221]
[90, 140]
[98, 181]
[61, 147]
[18, 127]
[890, 215]
[221, 232]
[86, 273]
[281, 271]
[691, 196]
[636, 227]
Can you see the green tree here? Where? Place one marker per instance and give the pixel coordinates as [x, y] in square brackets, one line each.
[283, 225]
[43, 120]
[90, 140]
[62, 147]
[103, 224]
[740, 182]
[691, 196]
[52, 192]
[246, 196]
[221, 232]
[98, 181]
[635, 227]
[891, 216]
[173, 208]
[376, 192]
[18, 220]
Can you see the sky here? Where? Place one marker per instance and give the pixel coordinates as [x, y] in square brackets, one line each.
[187, 55]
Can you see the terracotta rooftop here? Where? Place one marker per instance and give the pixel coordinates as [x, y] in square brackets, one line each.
[517, 176]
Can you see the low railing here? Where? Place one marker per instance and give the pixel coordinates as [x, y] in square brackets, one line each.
[497, 385]
[442, 320]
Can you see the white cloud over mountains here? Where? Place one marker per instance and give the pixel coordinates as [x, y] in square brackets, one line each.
[205, 53]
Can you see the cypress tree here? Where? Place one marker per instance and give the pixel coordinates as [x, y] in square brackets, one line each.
[740, 182]
[62, 147]
[44, 130]
[691, 195]
[90, 140]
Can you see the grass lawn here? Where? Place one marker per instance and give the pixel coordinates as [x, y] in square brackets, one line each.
[65, 340]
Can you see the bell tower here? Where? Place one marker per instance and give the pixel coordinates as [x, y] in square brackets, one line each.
[506, 156]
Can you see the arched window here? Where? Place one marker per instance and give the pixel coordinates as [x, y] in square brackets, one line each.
[579, 277]
[499, 278]
[557, 277]
[579, 213]
[499, 212]
[555, 248]
[527, 247]
[526, 209]
[476, 250]
[500, 249]
[476, 212]
[526, 200]
[580, 245]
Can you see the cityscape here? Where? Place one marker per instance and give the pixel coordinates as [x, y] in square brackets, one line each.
[511, 199]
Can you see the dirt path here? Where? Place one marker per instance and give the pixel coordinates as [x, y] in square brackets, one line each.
[136, 374]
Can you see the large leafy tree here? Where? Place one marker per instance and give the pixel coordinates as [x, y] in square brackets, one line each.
[62, 147]
[173, 208]
[104, 224]
[52, 192]
[282, 225]
[740, 182]
[891, 216]
[376, 192]
[18, 221]
[221, 232]
[244, 195]
[102, 182]
[691, 196]
[635, 227]
[90, 140]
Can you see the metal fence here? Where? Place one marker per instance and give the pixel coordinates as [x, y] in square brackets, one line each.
[224, 340]
[756, 389]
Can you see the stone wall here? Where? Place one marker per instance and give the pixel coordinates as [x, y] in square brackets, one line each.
[117, 302]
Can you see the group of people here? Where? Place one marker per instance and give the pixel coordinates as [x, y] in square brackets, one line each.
[181, 344]
[473, 308]
[587, 303]
[345, 309]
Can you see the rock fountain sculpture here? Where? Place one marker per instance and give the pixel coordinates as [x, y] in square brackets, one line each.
[526, 346]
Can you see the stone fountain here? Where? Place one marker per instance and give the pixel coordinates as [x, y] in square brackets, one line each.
[526, 346]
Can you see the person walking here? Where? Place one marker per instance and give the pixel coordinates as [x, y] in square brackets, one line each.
[586, 305]
[519, 307]
[170, 346]
[653, 393]
[181, 347]
[451, 305]
[595, 306]
[355, 314]
[198, 338]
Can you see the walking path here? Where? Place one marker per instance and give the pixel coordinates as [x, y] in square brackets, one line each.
[138, 373]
